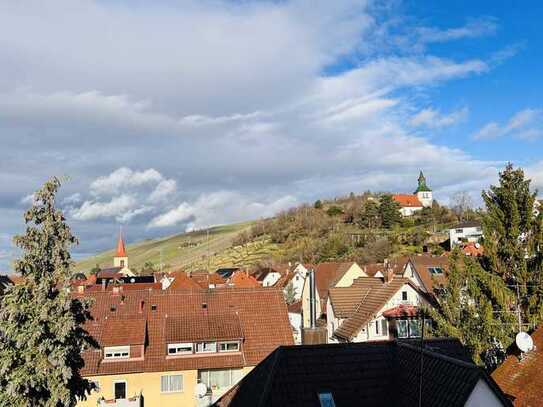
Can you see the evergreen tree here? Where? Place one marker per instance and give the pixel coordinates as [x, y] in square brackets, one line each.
[389, 211]
[474, 306]
[41, 334]
[290, 293]
[513, 239]
[369, 215]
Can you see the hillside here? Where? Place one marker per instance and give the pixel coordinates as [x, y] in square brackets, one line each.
[357, 227]
[176, 251]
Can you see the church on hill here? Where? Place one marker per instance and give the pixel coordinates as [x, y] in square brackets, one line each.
[421, 198]
[120, 262]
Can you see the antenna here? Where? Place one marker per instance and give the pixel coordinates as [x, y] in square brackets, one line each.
[524, 342]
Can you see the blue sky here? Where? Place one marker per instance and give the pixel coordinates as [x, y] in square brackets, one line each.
[176, 115]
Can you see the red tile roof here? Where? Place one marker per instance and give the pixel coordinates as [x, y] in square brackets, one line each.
[407, 201]
[326, 276]
[259, 316]
[241, 279]
[205, 279]
[423, 262]
[522, 379]
[123, 331]
[121, 251]
[183, 282]
[473, 249]
[401, 310]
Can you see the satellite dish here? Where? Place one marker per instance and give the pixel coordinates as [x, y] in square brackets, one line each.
[200, 390]
[477, 245]
[524, 342]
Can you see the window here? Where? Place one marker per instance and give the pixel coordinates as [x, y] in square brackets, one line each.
[404, 295]
[435, 270]
[384, 327]
[122, 263]
[403, 330]
[376, 327]
[219, 379]
[229, 346]
[206, 347]
[179, 348]
[326, 400]
[96, 385]
[171, 383]
[459, 230]
[414, 328]
[117, 352]
[478, 229]
[119, 389]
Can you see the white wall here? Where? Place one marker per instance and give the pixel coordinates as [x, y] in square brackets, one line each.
[296, 323]
[471, 234]
[409, 210]
[425, 198]
[482, 396]
[271, 279]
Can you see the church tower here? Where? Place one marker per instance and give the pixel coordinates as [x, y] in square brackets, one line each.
[424, 194]
[121, 258]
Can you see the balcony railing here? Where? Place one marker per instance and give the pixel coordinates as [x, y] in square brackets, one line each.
[136, 401]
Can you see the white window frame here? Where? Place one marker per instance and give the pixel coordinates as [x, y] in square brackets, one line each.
[197, 350]
[112, 350]
[169, 384]
[175, 346]
[219, 348]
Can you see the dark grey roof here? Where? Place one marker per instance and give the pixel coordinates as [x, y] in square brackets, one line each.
[467, 224]
[371, 374]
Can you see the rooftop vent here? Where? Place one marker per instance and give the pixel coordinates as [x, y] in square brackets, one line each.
[204, 305]
[113, 308]
[153, 307]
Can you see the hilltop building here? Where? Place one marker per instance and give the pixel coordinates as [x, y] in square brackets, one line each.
[120, 263]
[421, 198]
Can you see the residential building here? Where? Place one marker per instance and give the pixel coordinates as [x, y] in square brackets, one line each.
[327, 275]
[520, 375]
[465, 232]
[375, 308]
[373, 374]
[421, 198]
[5, 282]
[425, 271]
[156, 345]
[120, 263]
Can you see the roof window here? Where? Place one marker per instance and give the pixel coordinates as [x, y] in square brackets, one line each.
[326, 399]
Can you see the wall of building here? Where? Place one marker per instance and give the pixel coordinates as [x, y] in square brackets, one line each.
[425, 198]
[470, 234]
[296, 323]
[148, 384]
[482, 396]
[350, 275]
[271, 279]
[409, 210]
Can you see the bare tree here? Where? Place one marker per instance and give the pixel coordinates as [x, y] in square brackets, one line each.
[461, 204]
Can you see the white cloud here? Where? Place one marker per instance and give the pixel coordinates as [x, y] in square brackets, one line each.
[475, 28]
[525, 124]
[117, 207]
[28, 199]
[219, 208]
[163, 190]
[432, 118]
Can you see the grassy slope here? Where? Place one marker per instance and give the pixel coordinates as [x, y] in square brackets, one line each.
[177, 251]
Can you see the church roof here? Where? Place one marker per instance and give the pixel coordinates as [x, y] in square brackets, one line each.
[121, 251]
[422, 187]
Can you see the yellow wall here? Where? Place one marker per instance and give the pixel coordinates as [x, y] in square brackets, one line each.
[353, 273]
[149, 386]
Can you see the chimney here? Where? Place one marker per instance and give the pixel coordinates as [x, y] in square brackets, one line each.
[312, 300]
[388, 272]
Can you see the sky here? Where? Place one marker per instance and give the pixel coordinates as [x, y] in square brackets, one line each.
[171, 115]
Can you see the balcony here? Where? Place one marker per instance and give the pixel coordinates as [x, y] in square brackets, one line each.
[136, 401]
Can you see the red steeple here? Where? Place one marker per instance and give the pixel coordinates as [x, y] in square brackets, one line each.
[121, 251]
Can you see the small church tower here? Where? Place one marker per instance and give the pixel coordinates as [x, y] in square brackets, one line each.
[121, 258]
[424, 194]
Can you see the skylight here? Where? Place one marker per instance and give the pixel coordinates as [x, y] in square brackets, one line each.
[326, 399]
[435, 270]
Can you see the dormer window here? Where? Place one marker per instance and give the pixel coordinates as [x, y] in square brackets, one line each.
[435, 270]
[231, 346]
[206, 347]
[180, 349]
[117, 352]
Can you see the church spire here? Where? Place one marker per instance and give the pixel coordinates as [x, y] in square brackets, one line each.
[121, 251]
[422, 187]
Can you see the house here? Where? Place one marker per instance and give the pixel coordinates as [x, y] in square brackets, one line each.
[465, 232]
[327, 275]
[120, 263]
[375, 308]
[207, 280]
[372, 374]
[156, 345]
[520, 376]
[421, 198]
[425, 271]
[242, 279]
[181, 281]
[378, 269]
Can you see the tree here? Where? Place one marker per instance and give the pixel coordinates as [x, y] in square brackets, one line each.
[290, 293]
[474, 306]
[369, 215]
[513, 239]
[389, 211]
[41, 325]
[317, 204]
[461, 204]
[334, 211]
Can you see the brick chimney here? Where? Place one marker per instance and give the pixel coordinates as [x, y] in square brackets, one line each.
[388, 272]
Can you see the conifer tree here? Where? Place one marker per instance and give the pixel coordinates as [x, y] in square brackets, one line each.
[474, 306]
[389, 211]
[513, 239]
[41, 333]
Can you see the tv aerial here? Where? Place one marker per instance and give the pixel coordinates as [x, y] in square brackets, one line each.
[524, 342]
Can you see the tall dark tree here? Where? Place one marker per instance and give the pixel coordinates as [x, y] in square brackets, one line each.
[475, 307]
[513, 239]
[41, 325]
[369, 215]
[389, 211]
